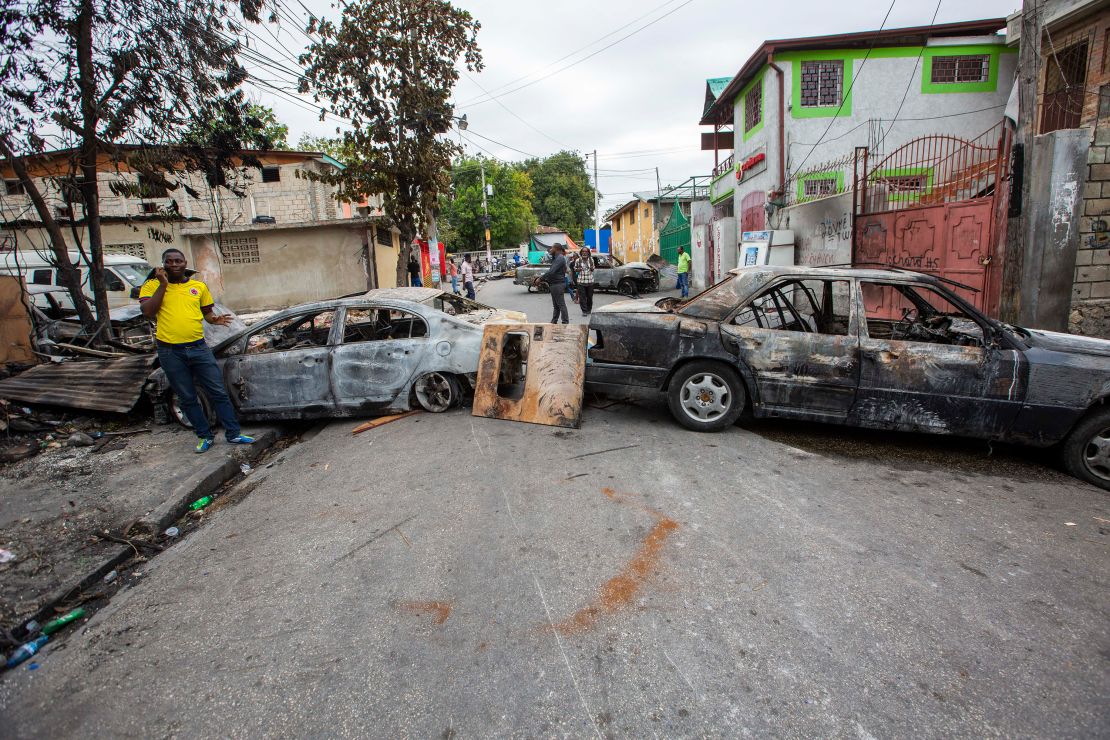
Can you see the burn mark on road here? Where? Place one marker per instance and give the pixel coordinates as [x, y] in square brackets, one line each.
[620, 590]
[438, 610]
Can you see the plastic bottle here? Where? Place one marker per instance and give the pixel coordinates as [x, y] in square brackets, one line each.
[26, 650]
[200, 503]
[56, 624]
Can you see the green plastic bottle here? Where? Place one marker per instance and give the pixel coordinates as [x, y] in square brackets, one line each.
[200, 503]
[56, 624]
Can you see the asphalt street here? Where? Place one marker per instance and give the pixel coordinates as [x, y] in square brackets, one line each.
[452, 576]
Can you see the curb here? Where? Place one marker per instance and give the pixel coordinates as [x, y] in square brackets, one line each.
[200, 484]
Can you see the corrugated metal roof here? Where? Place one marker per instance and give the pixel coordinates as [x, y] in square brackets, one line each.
[713, 88]
[96, 385]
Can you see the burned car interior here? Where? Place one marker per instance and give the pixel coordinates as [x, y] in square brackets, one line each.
[314, 330]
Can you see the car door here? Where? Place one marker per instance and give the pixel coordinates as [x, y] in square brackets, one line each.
[604, 272]
[282, 370]
[379, 352]
[938, 369]
[799, 339]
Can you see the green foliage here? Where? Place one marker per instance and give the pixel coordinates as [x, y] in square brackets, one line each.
[329, 145]
[230, 127]
[510, 206]
[388, 67]
[562, 194]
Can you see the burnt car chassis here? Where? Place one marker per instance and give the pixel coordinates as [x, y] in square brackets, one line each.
[884, 349]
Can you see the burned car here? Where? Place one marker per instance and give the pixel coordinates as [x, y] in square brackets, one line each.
[343, 357]
[886, 349]
[458, 306]
[609, 274]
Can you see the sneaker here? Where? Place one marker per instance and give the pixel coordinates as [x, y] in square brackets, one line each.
[204, 444]
[240, 439]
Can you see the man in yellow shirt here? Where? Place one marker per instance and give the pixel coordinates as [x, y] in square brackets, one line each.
[179, 305]
[683, 272]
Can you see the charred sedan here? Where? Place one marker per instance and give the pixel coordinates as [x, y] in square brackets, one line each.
[609, 274]
[343, 357]
[886, 349]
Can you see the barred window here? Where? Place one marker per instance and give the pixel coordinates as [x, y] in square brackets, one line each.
[383, 236]
[822, 83]
[819, 187]
[133, 249]
[753, 107]
[240, 251]
[271, 174]
[14, 187]
[970, 68]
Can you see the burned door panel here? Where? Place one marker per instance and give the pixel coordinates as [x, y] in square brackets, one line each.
[276, 384]
[378, 355]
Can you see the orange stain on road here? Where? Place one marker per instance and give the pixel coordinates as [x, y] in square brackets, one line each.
[440, 610]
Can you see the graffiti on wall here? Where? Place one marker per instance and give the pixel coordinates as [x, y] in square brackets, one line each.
[1063, 206]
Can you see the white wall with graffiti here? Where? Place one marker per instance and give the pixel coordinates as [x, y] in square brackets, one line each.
[822, 230]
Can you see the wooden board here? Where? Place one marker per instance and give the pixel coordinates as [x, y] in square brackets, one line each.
[15, 323]
[552, 387]
[375, 423]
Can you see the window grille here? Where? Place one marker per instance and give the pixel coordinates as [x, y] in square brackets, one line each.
[970, 68]
[271, 174]
[822, 83]
[819, 187]
[383, 236]
[753, 107]
[240, 251]
[133, 249]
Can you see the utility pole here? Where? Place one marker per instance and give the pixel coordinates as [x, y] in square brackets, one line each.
[485, 210]
[597, 213]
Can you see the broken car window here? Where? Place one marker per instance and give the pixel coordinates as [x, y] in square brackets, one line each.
[297, 332]
[917, 313]
[812, 306]
[378, 324]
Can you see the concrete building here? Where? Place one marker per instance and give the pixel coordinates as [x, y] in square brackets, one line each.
[786, 125]
[637, 224]
[267, 237]
[1059, 240]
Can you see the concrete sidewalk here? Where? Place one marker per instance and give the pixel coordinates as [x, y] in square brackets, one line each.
[445, 575]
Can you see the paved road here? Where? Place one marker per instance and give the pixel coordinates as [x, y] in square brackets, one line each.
[504, 294]
[451, 576]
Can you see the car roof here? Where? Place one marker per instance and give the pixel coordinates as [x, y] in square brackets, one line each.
[837, 271]
[416, 295]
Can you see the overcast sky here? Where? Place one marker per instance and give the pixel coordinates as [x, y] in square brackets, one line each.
[638, 102]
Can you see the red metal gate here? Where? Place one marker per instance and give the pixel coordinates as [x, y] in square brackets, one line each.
[933, 206]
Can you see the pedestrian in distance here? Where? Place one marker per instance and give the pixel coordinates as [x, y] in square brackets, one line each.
[584, 280]
[555, 276]
[683, 273]
[179, 306]
[453, 272]
[468, 278]
[414, 271]
[516, 259]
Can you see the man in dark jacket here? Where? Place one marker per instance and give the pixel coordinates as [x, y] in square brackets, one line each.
[414, 271]
[555, 277]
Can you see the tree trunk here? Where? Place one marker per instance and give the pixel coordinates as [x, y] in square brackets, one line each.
[408, 233]
[67, 273]
[88, 165]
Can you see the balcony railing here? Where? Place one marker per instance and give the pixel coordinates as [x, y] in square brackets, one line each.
[725, 166]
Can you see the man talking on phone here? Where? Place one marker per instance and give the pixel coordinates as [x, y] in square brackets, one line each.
[178, 304]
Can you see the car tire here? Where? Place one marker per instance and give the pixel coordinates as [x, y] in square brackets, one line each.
[1085, 452]
[437, 392]
[706, 396]
[626, 287]
[179, 416]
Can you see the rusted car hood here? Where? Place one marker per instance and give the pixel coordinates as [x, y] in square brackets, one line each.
[1059, 342]
[639, 305]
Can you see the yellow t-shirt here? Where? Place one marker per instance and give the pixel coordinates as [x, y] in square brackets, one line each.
[180, 319]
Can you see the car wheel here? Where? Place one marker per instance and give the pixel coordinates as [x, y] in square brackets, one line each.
[436, 392]
[626, 287]
[1086, 451]
[179, 415]
[706, 396]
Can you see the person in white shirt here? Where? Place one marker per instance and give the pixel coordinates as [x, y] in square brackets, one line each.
[468, 277]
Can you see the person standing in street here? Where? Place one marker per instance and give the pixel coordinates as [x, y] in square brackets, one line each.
[179, 306]
[414, 271]
[453, 273]
[516, 259]
[683, 273]
[584, 279]
[556, 277]
[468, 277]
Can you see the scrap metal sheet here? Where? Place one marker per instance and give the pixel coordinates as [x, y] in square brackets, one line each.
[556, 366]
[96, 385]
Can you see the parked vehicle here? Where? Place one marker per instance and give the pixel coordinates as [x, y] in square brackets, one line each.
[344, 357]
[609, 274]
[123, 274]
[887, 349]
[459, 306]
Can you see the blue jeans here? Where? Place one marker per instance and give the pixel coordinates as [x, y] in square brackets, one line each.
[189, 365]
[415, 282]
[470, 291]
[454, 285]
[684, 284]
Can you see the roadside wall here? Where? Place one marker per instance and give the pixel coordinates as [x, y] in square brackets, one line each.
[1090, 309]
[822, 230]
[701, 214]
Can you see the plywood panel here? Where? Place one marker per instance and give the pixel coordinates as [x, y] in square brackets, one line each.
[552, 386]
[15, 323]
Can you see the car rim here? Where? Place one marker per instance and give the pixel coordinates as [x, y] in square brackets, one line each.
[1096, 455]
[706, 397]
[434, 392]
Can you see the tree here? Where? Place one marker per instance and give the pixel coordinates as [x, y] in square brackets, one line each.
[510, 206]
[121, 81]
[329, 145]
[388, 68]
[561, 192]
[256, 126]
